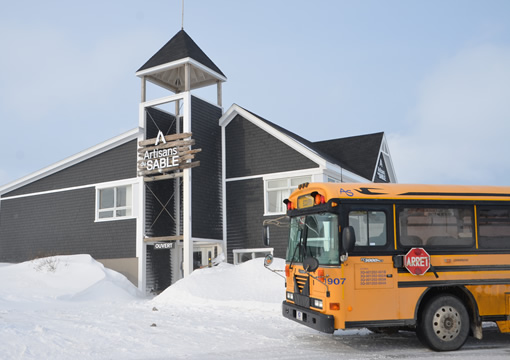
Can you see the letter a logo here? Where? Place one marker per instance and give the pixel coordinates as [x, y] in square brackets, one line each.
[160, 137]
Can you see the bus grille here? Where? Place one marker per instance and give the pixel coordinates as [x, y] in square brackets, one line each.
[301, 281]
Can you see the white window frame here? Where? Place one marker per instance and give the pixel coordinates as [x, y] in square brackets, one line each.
[289, 188]
[254, 253]
[130, 200]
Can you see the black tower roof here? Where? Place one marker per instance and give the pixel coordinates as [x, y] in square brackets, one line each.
[179, 47]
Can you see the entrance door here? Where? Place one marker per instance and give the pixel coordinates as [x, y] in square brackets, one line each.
[159, 272]
[373, 293]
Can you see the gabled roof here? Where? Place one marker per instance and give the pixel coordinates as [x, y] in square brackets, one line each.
[72, 160]
[298, 143]
[357, 153]
[296, 137]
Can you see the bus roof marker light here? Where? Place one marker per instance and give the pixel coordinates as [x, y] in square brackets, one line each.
[303, 186]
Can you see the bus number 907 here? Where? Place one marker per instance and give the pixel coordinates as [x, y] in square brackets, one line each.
[335, 281]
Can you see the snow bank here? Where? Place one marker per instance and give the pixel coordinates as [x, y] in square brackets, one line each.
[67, 278]
[232, 284]
[81, 278]
[68, 307]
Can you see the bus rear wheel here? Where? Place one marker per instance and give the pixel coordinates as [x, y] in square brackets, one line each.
[443, 324]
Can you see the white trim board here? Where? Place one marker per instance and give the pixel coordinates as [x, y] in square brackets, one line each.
[177, 63]
[102, 185]
[72, 160]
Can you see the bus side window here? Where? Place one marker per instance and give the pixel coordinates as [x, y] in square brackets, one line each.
[369, 227]
[409, 236]
[436, 226]
[494, 227]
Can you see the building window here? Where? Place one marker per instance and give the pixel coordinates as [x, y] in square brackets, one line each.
[278, 190]
[114, 203]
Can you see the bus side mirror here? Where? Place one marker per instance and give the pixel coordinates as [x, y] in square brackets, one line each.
[268, 260]
[265, 235]
[310, 264]
[348, 240]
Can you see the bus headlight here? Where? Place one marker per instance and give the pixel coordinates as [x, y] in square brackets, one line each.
[290, 296]
[317, 303]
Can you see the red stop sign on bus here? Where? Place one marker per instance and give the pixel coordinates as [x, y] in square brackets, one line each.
[417, 261]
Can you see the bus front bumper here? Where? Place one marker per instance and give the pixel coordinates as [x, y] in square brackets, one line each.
[313, 319]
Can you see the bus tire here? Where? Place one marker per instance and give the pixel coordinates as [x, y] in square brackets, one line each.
[443, 324]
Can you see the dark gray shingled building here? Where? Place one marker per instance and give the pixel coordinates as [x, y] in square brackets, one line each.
[190, 184]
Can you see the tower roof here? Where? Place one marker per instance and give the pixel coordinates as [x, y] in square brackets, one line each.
[166, 67]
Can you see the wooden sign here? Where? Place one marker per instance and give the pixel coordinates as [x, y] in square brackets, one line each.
[165, 156]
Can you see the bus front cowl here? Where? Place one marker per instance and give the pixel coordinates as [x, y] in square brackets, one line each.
[308, 317]
[309, 298]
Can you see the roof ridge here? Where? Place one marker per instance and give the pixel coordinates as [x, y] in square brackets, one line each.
[350, 137]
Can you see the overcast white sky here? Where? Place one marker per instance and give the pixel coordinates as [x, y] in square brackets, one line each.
[433, 75]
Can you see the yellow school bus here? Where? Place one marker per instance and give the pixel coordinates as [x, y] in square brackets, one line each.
[429, 258]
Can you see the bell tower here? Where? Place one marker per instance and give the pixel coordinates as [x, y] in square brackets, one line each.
[180, 137]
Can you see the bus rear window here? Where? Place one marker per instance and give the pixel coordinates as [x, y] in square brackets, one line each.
[494, 227]
[436, 226]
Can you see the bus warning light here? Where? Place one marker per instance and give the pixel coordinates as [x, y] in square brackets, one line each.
[290, 204]
[319, 199]
[320, 275]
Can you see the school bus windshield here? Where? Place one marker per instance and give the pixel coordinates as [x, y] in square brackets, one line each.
[314, 236]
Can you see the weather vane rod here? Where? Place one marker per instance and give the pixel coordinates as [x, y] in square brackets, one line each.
[182, 23]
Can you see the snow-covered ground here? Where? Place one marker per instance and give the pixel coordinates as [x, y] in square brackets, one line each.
[71, 307]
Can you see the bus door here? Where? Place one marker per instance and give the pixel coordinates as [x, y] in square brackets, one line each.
[372, 295]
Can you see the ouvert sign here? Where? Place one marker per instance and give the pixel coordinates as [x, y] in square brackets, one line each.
[162, 157]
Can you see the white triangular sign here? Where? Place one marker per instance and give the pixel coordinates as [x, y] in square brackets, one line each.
[160, 136]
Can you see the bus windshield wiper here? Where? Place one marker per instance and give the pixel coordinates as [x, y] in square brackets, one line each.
[299, 245]
[294, 254]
